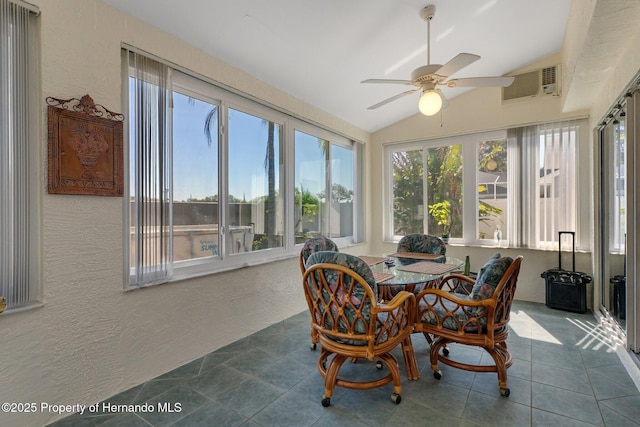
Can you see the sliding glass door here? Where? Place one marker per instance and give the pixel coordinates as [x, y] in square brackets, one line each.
[613, 216]
[616, 249]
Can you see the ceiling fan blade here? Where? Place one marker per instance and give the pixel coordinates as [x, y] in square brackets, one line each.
[480, 82]
[456, 64]
[402, 82]
[393, 98]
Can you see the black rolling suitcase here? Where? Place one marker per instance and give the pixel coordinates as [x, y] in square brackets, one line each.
[566, 290]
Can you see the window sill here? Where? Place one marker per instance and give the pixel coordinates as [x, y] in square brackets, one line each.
[481, 246]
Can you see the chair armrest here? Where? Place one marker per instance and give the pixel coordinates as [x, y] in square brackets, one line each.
[395, 319]
[458, 283]
[489, 302]
[398, 300]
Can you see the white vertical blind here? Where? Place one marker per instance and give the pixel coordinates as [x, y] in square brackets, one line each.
[558, 210]
[543, 169]
[150, 148]
[18, 130]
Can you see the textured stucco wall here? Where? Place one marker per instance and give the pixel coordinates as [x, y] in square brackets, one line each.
[91, 340]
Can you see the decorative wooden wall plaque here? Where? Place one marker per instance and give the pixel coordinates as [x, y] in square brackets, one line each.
[85, 148]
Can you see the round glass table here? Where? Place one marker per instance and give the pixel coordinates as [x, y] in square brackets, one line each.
[403, 273]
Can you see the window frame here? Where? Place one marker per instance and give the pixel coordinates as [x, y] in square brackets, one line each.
[203, 89]
[469, 143]
[333, 139]
[470, 185]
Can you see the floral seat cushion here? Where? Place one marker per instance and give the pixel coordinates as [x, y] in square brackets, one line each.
[471, 318]
[357, 301]
[454, 316]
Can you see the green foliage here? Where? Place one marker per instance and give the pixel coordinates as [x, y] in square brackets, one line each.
[441, 212]
[339, 193]
[444, 166]
[214, 198]
[492, 156]
[408, 173]
[487, 212]
[444, 182]
[308, 201]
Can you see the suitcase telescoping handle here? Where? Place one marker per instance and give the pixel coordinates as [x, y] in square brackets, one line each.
[573, 250]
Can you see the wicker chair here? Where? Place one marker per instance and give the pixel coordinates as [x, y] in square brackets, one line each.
[341, 294]
[425, 244]
[311, 246]
[477, 319]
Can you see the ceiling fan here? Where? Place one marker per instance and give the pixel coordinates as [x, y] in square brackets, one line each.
[427, 77]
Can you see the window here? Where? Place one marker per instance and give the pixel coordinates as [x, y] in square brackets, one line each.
[442, 173]
[195, 177]
[18, 155]
[256, 177]
[556, 204]
[408, 192]
[492, 194]
[515, 187]
[444, 191]
[543, 170]
[210, 185]
[324, 186]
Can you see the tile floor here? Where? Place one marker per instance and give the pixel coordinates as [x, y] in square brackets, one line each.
[565, 373]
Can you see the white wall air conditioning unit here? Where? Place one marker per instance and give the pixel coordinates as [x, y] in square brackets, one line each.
[544, 81]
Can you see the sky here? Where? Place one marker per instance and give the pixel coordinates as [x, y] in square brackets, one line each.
[195, 161]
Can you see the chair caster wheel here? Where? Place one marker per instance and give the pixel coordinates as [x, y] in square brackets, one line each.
[437, 375]
[505, 392]
[312, 346]
[445, 351]
[379, 365]
[326, 402]
[396, 398]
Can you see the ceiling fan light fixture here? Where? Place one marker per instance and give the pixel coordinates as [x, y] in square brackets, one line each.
[430, 102]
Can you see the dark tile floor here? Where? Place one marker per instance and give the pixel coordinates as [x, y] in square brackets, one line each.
[565, 373]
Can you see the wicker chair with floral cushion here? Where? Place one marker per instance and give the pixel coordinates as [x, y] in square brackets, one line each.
[420, 243]
[310, 246]
[341, 293]
[477, 319]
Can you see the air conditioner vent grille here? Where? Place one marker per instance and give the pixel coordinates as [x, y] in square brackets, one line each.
[548, 76]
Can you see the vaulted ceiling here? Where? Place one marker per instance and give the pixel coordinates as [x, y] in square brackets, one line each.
[320, 51]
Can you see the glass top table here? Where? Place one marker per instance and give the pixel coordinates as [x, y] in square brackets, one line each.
[401, 271]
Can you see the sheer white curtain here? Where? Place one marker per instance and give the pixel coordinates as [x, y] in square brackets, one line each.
[18, 138]
[543, 170]
[150, 170]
